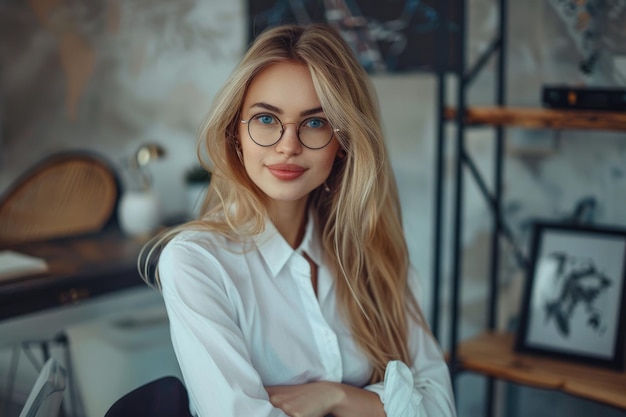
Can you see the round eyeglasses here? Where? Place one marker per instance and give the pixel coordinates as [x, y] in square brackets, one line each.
[267, 130]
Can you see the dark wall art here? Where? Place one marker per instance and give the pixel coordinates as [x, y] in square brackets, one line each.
[387, 36]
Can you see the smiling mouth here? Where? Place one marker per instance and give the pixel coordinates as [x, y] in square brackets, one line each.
[286, 172]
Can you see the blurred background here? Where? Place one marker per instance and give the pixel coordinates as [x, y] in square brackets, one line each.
[110, 76]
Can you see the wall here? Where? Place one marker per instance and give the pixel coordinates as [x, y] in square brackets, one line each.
[108, 76]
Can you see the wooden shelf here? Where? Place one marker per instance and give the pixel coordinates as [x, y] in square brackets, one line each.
[539, 118]
[492, 354]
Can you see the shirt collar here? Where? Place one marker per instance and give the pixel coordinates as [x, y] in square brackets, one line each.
[276, 251]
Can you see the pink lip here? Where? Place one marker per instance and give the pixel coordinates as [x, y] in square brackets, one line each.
[286, 172]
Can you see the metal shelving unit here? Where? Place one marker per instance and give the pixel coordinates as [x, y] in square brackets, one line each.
[491, 353]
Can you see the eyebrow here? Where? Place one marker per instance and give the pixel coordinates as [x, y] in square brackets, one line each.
[275, 109]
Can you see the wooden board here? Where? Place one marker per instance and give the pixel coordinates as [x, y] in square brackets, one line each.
[492, 354]
[539, 118]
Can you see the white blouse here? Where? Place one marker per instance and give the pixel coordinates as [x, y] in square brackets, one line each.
[245, 315]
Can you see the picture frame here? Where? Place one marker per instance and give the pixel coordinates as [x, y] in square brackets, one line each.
[386, 36]
[574, 305]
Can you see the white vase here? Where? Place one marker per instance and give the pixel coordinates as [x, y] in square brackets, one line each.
[138, 212]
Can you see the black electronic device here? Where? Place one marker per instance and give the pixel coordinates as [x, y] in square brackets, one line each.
[583, 98]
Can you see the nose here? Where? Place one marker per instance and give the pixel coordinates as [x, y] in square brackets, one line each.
[289, 143]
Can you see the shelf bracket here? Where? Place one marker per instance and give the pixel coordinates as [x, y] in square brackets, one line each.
[506, 231]
[482, 60]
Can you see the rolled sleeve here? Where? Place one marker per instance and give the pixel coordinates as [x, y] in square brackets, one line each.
[422, 388]
[405, 395]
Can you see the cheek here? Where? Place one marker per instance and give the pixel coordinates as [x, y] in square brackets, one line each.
[330, 156]
[328, 164]
[252, 158]
[248, 149]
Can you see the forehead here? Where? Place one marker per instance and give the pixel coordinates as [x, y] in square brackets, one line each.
[286, 85]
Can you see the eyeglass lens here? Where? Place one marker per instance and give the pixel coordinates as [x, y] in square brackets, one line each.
[266, 130]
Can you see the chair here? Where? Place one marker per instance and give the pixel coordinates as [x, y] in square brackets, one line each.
[46, 395]
[163, 397]
[66, 194]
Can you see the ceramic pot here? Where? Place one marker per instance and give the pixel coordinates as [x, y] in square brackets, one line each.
[138, 212]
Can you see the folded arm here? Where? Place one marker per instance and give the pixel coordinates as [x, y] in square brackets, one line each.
[318, 399]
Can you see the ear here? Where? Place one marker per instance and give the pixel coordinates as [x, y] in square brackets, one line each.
[341, 154]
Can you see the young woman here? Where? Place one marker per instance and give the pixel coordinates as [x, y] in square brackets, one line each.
[292, 294]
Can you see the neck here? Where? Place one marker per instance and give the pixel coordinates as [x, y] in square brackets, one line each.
[290, 220]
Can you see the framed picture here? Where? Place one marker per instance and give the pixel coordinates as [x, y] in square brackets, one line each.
[574, 303]
[386, 35]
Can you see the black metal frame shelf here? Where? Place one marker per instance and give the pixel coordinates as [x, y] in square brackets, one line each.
[500, 362]
[466, 75]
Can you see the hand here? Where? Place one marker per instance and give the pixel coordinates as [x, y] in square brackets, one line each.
[315, 399]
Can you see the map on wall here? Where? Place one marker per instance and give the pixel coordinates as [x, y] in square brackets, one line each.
[387, 36]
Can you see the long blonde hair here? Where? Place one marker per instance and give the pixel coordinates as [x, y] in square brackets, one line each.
[360, 218]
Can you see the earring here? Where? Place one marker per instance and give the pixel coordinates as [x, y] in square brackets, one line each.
[326, 187]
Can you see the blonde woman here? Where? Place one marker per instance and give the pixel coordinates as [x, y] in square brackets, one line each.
[292, 294]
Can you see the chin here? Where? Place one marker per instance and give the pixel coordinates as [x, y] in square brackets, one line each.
[286, 196]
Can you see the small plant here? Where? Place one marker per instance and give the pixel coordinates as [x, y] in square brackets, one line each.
[197, 175]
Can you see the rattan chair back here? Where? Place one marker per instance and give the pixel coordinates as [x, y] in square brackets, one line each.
[64, 195]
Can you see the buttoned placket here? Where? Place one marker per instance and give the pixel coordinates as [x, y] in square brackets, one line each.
[325, 337]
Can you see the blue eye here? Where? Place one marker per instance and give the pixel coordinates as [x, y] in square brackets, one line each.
[315, 123]
[265, 119]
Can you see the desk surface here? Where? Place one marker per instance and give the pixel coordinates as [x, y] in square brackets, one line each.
[78, 268]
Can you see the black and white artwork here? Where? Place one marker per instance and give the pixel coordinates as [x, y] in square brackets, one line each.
[574, 301]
